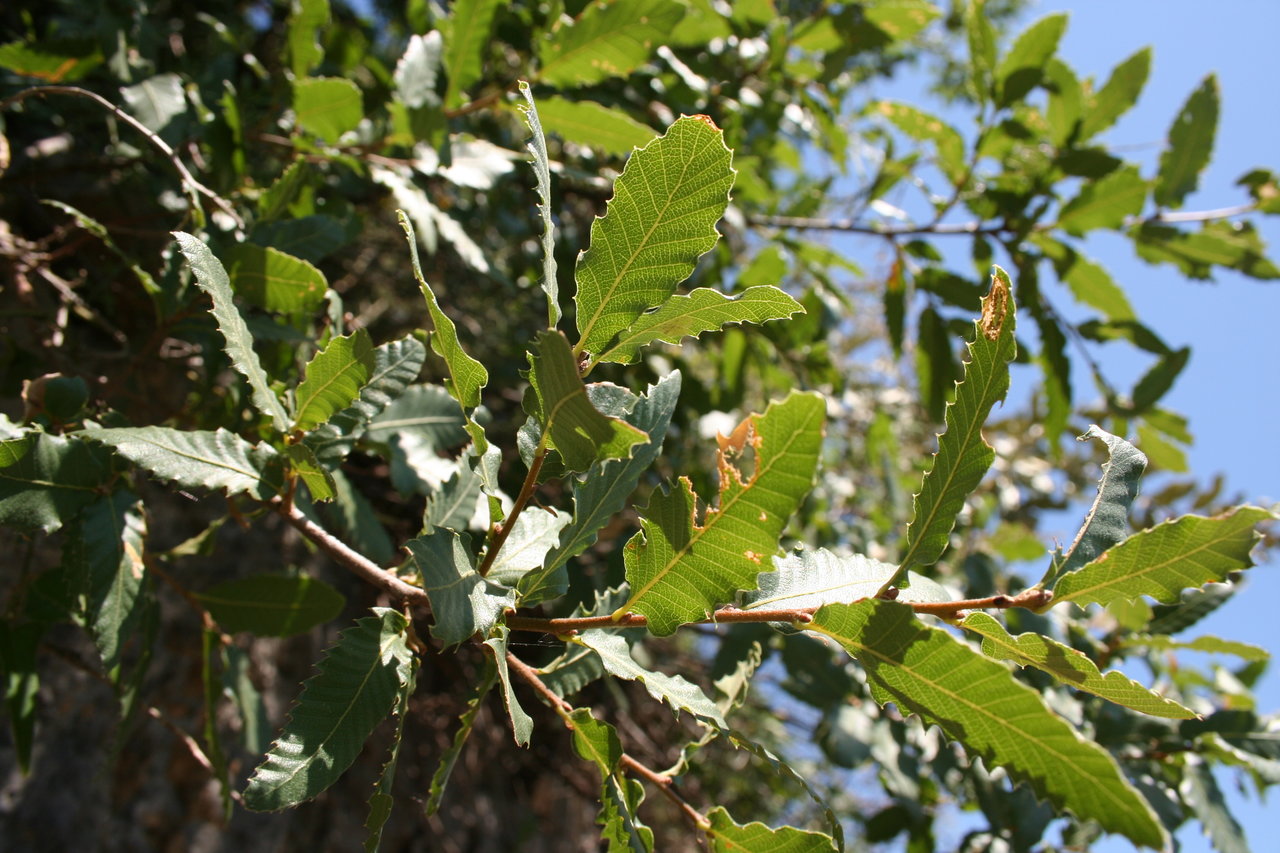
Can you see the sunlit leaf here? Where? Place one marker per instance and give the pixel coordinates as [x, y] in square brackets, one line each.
[679, 567]
[607, 40]
[728, 836]
[212, 278]
[1105, 203]
[467, 32]
[521, 722]
[306, 19]
[1118, 94]
[541, 162]
[680, 694]
[702, 310]
[924, 127]
[1190, 144]
[466, 375]
[963, 454]
[979, 703]
[1165, 559]
[463, 602]
[577, 429]
[604, 490]
[661, 218]
[1070, 667]
[1020, 69]
[1107, 521]
[327, 106]
[590, 123]
[807, 579]
[334, 379]
[196, 459]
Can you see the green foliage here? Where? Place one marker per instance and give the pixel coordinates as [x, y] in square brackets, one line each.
[549, 530]
[356, 686]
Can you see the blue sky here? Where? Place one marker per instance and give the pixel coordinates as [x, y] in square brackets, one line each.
[1230, 390]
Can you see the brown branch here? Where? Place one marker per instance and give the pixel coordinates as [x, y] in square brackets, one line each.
[564, 709]
[508, 524]
[187, 178]
[1031, 599]
[353, 561]
[853, 226]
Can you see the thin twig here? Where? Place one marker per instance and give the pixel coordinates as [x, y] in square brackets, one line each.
[564, 709]
[1032, 599]
[355, 562]
[508, 524]
[852, 226]
[188, 178]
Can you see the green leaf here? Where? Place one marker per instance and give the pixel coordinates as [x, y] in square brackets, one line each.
[105, 556]
[51, 60]
[537, 146]
[607, 40]
[577, 429]
[463, 602]
[1093, 286]
[466, 375]
[304, 465]
[417, 71]
[603, 492]
[963, 455]
[1107, 521]
[327, 106]
[1236, 245]
[1165, 559]
[937, 371]
[355, 518]
[334, 379]
[272, 605]
[1071, 667]
[660, 220]
[1189, 147]
[1022, 66]
[454, 504]
[900, 20]
[381, 802]
[466, 723]
[273, 280]
[728, 836]
[1201, 793]
[1157, 381]
[211, 646]
[979, 703]
[1105, 203]
[18, 644]
[284, 190]
[1208, 644]
[588, 123]
[678, 568]
[982, 48]
[255, 729]
[50, 482]
[521, 722]
[598, 743]
[466, 41]
[535, 533]
[196, 459]
[924, 127]
[680, 694]
[308, 238]
[356, 687]
[99, 230]
[806, 579]
[305, 18]
[1120, 92]
[395, 365]
[212, 278]
[702, 310]
[156, 101]
[1065, 99]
